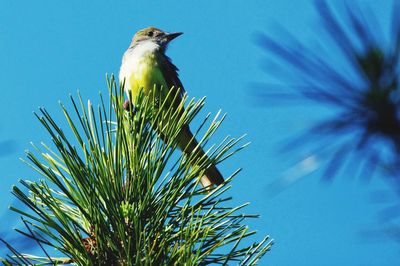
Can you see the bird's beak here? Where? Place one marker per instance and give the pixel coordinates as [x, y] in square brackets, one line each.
[170, 36]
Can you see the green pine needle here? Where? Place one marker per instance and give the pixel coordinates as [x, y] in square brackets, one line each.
[117, 193]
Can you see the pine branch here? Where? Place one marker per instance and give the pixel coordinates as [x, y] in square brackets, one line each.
[118, 193]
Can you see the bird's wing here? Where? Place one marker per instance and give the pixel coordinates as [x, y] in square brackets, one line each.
[170, 73]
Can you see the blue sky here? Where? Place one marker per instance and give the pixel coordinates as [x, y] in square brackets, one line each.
[52, 48]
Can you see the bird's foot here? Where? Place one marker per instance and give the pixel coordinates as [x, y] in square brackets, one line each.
[128, 106]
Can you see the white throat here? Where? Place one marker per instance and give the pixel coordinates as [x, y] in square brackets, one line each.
[134, 57]
[143, 48]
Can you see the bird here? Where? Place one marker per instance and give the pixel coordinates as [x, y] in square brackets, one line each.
[146, 66]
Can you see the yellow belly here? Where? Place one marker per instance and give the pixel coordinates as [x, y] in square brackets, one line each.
[146, 76]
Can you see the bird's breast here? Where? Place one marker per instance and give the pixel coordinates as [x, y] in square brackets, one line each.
[141, 72]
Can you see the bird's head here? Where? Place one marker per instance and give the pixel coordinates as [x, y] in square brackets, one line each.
[157, 36]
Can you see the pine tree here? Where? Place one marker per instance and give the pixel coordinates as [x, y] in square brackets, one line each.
[116, 193]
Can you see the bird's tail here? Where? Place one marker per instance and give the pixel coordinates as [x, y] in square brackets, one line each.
[188, 144]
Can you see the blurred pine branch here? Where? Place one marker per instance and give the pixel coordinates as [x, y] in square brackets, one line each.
[355, 70]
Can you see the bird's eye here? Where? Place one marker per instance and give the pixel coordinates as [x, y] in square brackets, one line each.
[150, 34]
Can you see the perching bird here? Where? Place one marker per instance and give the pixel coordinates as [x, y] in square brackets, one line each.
[144, 67]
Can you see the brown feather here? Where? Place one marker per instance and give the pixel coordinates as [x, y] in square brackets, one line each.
[188, 145]
[187, 142]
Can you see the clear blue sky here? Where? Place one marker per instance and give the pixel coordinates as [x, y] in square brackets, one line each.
[49, 49]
